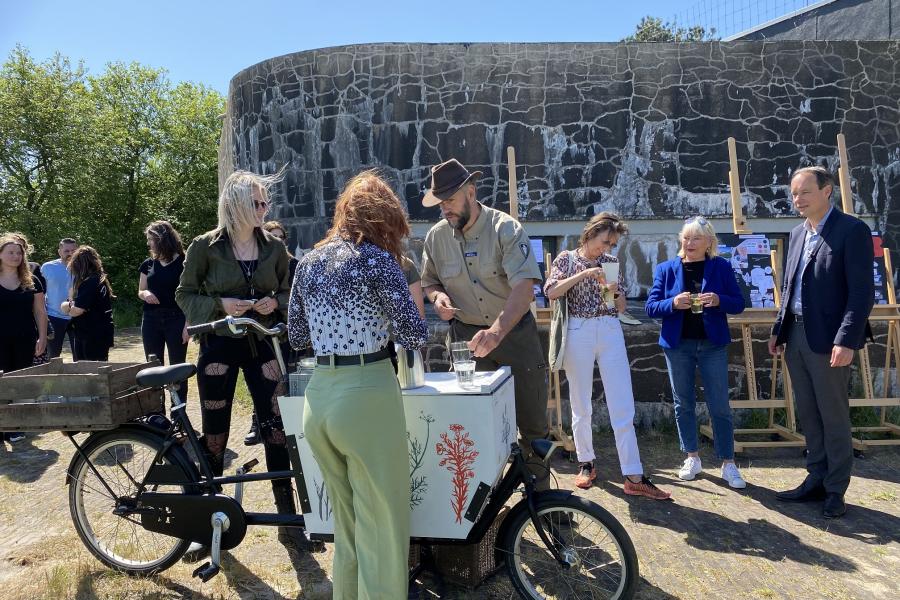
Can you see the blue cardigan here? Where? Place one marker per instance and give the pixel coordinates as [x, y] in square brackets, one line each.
[668, 282]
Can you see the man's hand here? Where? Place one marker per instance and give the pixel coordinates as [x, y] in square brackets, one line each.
[484, 342]
[773, 349]
[841, 356]
[443, 307]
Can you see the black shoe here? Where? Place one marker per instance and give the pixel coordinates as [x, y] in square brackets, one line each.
[253, 438]
[805, 492]
[834, 506]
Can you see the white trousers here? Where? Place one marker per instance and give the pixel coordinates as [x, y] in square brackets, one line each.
[600, 340]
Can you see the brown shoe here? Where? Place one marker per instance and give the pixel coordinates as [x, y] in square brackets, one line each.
[645, 488]
[586, 476]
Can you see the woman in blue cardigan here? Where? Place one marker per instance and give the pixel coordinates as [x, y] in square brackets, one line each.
[698, 337]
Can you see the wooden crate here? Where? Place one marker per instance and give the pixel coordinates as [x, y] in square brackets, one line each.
[80, 396]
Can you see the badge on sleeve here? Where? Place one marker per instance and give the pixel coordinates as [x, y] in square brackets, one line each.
[525, 249]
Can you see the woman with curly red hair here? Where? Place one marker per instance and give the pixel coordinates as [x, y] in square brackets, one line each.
[349, 296]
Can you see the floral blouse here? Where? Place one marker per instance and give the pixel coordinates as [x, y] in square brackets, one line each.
[349, 299]
[584, 298]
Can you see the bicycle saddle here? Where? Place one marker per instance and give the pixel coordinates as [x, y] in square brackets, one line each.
[157, 377]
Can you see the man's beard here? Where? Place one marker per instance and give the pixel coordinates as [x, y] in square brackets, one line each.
[463, 219]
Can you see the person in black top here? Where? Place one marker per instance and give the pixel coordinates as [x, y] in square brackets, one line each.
[35, 269]
[90, 306]
[163, 325]
[23, 316]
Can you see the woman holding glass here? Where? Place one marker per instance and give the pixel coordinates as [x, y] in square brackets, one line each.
[594, 334]
[693, 294]
[349, 296]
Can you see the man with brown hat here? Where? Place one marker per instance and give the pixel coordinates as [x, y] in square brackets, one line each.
[479, 272]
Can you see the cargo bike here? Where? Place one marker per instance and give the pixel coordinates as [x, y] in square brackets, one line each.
[138, 499]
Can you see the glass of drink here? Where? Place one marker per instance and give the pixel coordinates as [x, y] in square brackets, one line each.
[696, 304]
[465, 373]
[459, 352]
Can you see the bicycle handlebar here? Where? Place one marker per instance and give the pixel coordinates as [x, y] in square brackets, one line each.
[234, 324]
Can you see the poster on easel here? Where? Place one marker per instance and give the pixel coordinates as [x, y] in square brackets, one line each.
[879, 272]
[749, 256]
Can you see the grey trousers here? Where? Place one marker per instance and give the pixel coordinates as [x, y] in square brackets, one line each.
[521, 350]
[823, 408]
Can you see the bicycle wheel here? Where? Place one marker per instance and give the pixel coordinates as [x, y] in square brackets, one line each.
[122, 459]
[601, 561]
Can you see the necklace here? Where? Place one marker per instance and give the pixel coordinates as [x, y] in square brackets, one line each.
[248, 266]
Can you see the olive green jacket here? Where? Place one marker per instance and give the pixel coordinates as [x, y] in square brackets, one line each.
[211, 272]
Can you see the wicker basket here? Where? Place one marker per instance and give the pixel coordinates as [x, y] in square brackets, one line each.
[80, 396]
[470, 565]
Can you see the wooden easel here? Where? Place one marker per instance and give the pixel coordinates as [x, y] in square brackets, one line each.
[787, 434]
[554, 394]
[542, 317]
[881, 312]
[889, 313]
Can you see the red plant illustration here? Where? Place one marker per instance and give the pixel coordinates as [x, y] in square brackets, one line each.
[459, 455]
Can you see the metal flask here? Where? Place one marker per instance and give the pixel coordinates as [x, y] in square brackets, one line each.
[410, 368]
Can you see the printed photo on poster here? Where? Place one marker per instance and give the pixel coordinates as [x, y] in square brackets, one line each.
[749, 257]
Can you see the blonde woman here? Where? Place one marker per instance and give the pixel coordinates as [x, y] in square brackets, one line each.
[23, 315]
[698, 339]
[238, 269]
[595, 335]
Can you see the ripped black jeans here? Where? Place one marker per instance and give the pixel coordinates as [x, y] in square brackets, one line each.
[217, 372]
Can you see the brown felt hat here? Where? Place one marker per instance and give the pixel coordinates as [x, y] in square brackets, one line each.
[446, 179]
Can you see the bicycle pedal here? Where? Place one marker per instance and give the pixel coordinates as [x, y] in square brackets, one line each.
[206, 571]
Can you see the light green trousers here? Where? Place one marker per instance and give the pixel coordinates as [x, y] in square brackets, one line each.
[356, 428]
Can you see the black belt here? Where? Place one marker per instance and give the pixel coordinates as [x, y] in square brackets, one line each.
[353, 359]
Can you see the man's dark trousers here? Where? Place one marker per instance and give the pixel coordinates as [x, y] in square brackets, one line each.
[820, 391]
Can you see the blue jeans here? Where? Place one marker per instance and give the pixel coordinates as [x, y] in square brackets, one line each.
[713, 363]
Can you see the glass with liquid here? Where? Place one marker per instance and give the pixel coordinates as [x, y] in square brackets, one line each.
[465, 373]
[696, 304]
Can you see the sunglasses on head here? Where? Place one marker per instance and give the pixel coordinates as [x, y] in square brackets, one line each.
[701, 220]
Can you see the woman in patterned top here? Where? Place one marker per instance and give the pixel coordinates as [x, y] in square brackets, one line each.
[349, 295]
[595, 334]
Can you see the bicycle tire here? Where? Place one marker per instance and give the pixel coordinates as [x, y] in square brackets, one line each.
[122, 457]
[610, 571]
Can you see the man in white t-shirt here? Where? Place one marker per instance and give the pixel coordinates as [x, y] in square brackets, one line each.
[59, 284]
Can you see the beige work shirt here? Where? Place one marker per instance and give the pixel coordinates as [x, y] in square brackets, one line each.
[479, 269]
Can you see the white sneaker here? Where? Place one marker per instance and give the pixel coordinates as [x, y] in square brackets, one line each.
[731, 474]
[628, 319]
[690, 468]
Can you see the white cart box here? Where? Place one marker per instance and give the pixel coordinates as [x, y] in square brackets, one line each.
[459, 442]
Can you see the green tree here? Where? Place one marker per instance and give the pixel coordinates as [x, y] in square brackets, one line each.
[100, 157]
[652, 29]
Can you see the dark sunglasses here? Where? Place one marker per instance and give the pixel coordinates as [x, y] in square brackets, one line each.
[701, 220]
[260, 205]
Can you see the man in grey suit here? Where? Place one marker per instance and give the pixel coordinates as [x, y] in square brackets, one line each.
[828, 295]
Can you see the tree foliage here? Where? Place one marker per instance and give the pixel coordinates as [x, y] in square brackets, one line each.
[652, 29]
[99, 157]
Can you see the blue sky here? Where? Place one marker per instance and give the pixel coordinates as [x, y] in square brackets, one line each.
[209, 42]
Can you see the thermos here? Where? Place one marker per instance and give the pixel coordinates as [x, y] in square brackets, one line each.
[410, 368]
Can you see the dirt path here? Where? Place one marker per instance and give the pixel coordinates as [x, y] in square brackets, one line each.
[711, 542]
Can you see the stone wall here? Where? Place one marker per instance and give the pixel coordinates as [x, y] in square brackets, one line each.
[636, 128]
